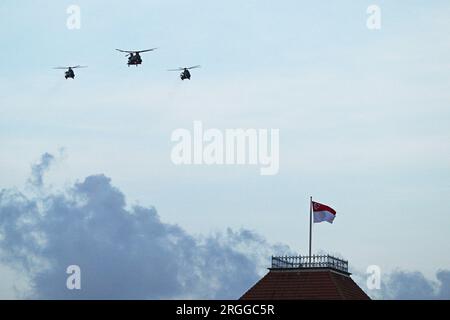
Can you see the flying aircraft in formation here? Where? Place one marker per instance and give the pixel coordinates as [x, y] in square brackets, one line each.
[134, 59]
[70, 73]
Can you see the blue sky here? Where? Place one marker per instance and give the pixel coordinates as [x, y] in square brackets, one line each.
[363, 115]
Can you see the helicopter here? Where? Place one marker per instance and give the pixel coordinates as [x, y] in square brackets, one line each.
[134, 57]
[69, 73]
[185, 74]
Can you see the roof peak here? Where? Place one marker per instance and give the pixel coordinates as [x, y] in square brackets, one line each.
[306, 277]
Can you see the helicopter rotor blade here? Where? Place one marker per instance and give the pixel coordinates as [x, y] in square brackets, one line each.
[74, 67]
[140, 51]
[125, 51]
[136, 51]
[179, 69]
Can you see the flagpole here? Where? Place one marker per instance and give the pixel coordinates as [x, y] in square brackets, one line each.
[310, 226]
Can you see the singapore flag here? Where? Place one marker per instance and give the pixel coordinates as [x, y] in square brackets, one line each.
[323, 213]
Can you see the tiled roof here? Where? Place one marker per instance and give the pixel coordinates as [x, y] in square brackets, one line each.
[305, 285]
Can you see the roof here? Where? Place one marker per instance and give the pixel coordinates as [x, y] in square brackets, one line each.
[305, 284]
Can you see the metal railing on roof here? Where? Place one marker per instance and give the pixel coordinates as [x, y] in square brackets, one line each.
[309, 262]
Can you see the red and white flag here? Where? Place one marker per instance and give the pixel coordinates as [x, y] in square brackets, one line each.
[323, 213]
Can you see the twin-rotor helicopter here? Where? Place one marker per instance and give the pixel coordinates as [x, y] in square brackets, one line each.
[70, 73]
[134, 59]
[185, 74]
